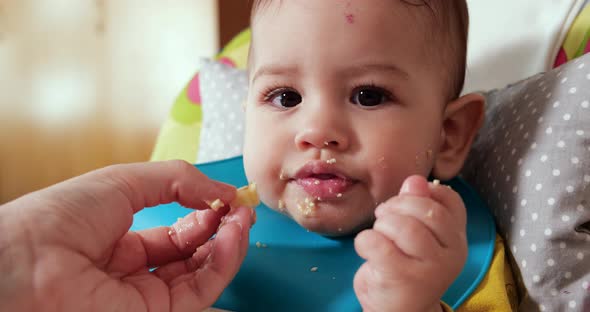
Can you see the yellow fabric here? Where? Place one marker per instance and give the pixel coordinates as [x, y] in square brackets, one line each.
[497, 291]
[171, 142]
[446, 307]
[577, 34]
[237, 49]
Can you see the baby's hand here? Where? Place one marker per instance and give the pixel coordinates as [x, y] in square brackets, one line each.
[415, 250]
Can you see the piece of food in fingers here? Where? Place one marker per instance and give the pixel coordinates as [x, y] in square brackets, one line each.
[216, 204]
[246, 196]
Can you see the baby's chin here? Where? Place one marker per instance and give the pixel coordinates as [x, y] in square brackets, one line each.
[326, 220]
[338, 216]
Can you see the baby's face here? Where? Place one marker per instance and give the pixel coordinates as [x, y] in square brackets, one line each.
[344, 104]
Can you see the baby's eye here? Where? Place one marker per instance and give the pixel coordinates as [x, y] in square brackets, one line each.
[285, 98]
[369, 96]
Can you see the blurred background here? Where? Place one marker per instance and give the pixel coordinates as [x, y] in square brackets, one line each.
[88, 83]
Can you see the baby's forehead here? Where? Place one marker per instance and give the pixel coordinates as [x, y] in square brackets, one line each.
[426, 13]
[385, 16]
[426, 24]
[423, 18]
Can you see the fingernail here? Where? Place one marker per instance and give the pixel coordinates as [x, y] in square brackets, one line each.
[405, 188]
[200, 216]
[233, 218]
[378, 209]
[253, 216]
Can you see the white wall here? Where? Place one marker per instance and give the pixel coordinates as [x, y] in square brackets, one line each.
[68, 61]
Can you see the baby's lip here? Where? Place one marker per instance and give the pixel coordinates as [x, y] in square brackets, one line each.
[323, 179]
[320, 170]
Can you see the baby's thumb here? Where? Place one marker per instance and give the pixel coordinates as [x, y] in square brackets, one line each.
[415, 185]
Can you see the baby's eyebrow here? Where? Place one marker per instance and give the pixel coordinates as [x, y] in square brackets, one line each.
[351, 71]
[377, 67]
[275, 70]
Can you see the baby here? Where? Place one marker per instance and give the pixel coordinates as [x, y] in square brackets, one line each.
[351, 104]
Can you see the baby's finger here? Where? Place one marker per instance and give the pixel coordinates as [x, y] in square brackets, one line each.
[415, 185]
[450, 200]
[426, 210]
[410, 235]
[379, 250]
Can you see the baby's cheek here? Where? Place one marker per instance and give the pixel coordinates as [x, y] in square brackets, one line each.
[386, 183]
[259, 169]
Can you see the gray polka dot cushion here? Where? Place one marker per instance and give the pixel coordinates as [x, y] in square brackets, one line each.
[223, 89]
[531, 162]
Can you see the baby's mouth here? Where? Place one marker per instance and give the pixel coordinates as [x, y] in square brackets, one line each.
[325, 188]
[323, 181]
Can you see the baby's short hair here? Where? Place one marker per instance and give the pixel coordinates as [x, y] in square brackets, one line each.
[449, 25]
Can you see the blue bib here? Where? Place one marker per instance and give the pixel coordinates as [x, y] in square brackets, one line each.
[288, 268]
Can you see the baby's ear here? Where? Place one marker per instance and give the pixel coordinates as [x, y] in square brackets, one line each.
[462, 119]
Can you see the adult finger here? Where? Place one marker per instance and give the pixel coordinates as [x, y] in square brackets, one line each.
[101, 204]
[162, 245]
[200, 283]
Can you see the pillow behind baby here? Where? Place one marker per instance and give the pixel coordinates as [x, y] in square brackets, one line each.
[530, 163]
[223, 90]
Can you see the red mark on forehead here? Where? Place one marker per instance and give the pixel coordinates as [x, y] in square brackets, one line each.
[350, 18]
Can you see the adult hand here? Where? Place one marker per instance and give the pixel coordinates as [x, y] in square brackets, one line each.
[68, 247]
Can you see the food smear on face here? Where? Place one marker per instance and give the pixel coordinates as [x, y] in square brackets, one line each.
[308, 207]
[281, 205]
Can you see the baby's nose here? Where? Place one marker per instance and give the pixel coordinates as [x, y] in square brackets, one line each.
[323, 132]
[315, 138]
